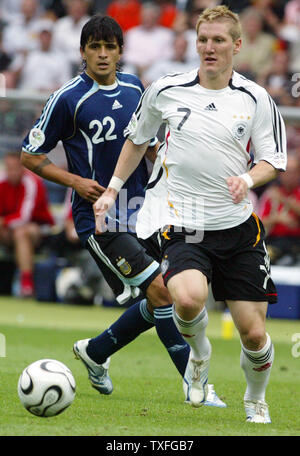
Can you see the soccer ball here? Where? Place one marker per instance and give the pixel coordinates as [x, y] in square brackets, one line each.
[46, 387]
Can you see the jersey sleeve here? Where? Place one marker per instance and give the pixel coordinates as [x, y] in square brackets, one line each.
[146, 120]
[268, 134]
[55, 124]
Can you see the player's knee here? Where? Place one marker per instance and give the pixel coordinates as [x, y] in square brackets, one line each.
[20, 232]
[158, 294]
[189, 302]
[254, 338]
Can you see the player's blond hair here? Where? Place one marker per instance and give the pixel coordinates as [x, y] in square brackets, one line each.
[221, 13]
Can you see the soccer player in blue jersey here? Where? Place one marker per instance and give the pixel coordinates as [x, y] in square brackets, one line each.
[89, 114]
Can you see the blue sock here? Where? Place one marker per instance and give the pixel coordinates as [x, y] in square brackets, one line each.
[166, 330]
[134, 321]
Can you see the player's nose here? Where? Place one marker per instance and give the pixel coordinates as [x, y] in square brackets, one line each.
[102, 52]
[209, 46]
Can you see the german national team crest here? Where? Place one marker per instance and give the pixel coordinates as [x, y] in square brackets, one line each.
[124, 266]
[164, 266]
[239, 129]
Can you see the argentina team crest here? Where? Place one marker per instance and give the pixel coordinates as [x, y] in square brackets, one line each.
[239, 129]
[124, 266]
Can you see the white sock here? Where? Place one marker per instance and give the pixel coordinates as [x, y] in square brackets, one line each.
[193, 332]
[257, 367]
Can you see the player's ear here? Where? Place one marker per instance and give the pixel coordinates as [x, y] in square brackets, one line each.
[120, 55]
[237, 46]
[82, 53]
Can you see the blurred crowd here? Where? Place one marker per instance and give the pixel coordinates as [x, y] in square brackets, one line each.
[39, 51]
[39, 44]
[39, 40]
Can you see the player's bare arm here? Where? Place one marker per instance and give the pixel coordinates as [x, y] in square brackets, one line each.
[41, 165]
[259, 175]
[128, 161]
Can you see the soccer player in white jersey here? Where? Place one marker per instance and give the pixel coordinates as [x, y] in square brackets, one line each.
[200, 182]
[89, 115]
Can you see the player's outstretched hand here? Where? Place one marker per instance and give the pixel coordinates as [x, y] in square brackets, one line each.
[101, 207]
[237, 188]
[88, 189]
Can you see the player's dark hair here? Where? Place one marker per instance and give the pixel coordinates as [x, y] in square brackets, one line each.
[101, 27]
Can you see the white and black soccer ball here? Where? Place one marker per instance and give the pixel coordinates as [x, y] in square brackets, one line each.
[46, 387]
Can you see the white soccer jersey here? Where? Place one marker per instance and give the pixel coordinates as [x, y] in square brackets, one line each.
[208, 137]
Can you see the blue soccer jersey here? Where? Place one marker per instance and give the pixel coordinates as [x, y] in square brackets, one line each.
[90, 120]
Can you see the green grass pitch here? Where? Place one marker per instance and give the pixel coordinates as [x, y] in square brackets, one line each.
[148, 398]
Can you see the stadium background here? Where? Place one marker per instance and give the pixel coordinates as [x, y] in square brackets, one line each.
[42, 327]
